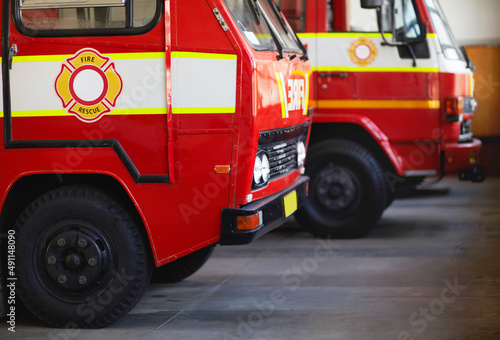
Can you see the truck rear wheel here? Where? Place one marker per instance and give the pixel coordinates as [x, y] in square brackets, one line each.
[83, 261]
[182, 268]
[347, 194]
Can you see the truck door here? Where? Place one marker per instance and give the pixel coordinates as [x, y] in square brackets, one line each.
[88, 76]
[396, 86]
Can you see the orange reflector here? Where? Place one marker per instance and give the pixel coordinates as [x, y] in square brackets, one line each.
[450, 159]
[249, 222]
[454, 105]
[222, 169]
[307, 188]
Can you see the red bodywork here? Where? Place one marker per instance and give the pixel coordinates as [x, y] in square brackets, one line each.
[418, 141]
[184, 213]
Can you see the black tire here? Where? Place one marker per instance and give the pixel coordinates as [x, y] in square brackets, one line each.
[182, 268]
[347, 194]
[83, 261]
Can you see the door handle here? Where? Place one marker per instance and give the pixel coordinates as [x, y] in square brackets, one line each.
[12, 54]
[332, 74]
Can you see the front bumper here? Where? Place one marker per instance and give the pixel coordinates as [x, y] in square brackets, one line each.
[273, 214]
[460, 157]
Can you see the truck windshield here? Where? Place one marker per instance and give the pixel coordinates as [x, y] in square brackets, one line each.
[256, 19]
[443, 31]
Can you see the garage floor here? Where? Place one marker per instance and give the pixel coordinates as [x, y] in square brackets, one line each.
[429, 270]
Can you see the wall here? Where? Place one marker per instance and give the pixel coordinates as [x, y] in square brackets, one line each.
[473, 21]
[486, 122]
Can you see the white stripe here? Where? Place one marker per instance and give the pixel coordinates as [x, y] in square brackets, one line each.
[203, 82]
[33, 84]
[333, 52]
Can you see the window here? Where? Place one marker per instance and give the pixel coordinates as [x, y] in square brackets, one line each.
[294, 12]
[406, 20]
[252, 24]
[286, 37]
[443, 32]
[256, 19]
[357, 19]
[91, 17]
[360, 19]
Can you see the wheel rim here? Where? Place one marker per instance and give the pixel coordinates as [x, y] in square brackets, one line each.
[76, 259]
[337, 189]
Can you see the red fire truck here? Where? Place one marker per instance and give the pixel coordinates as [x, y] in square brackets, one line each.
[393, 99]
[138, 134]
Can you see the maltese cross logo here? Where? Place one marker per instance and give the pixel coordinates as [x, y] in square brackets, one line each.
[88, 85]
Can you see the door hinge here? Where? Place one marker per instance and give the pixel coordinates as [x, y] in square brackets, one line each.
[219, 17]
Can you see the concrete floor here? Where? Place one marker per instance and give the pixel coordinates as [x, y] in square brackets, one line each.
[429, 270]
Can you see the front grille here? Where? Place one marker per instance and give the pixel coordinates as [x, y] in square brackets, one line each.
[281, 148]
[465, 131]
[465, 127]
[282, 158]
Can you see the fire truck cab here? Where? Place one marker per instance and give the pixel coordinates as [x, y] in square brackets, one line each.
[393, 99]
[138, 134]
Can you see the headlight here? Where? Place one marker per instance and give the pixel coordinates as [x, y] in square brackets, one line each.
[257, 170]
[261, 170]
[301, 154]
[266, 171]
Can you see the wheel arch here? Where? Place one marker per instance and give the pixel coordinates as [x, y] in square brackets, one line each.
[27, 188]
[364, 133]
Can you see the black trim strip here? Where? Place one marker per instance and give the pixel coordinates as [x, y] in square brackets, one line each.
[19, 144]
[5, 72]
[283, 134]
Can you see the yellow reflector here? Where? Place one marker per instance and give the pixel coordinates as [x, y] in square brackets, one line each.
[290, 203]
[249, 222]
[473, 157]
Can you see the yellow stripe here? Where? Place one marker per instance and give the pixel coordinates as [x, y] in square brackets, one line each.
[115, 112]
[196, 55]
[343, 35]
[378, 104]
[39, 58]
[282, 95]
[374, 69]
[202, 110]
[352, 35]
[146, 55]
[472, 84]
[114, 56]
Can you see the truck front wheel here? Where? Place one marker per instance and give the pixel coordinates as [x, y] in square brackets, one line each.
[347, 194]
[82, 260]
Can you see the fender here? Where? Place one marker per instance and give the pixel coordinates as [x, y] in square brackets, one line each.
[368, 125]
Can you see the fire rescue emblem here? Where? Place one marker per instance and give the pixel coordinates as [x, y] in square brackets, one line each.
[363, 51]
[88, 85]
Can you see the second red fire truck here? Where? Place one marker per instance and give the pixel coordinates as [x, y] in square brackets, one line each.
[393, 98]
[137, 134]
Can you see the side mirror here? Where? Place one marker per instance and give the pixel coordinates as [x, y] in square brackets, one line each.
[371, 4]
